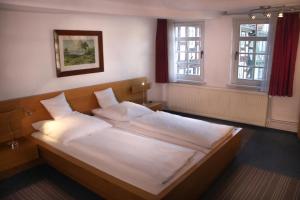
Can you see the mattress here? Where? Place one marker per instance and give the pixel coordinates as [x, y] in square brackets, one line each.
[146, 163]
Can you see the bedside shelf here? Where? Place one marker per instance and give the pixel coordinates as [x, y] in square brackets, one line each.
[25, 153]
[154, 105]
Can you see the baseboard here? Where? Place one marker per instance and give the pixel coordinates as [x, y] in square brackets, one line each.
[283, 125]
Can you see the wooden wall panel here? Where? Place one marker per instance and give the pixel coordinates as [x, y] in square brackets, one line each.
[80, 99]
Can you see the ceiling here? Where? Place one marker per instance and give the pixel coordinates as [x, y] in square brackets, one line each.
[176, 9]
[210, 5]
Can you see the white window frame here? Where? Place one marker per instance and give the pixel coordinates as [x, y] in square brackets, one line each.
[256, 84]
[187, 78]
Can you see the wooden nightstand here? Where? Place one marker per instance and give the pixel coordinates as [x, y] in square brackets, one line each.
[155, 105]
[13, 160]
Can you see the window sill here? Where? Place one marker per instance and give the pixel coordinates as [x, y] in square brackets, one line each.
[245, 87]
[189, 82]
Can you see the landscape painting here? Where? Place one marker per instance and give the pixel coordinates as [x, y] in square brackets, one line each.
[78, 52]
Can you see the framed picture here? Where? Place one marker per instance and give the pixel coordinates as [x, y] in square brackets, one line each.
[78, 52]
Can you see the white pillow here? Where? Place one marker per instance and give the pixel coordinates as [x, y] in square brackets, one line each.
[70, 127]
[41, 125]
[124, 111]
[57, 106]
[106, 98]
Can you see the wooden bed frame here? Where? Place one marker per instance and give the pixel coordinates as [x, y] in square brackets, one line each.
[188, 186]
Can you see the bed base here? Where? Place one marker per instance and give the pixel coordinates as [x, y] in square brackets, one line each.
[189, 186]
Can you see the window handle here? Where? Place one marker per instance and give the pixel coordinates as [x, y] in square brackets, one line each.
[236, 55]
[201, 54]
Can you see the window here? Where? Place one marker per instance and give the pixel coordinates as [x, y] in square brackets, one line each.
[188, 52]
[251, 52]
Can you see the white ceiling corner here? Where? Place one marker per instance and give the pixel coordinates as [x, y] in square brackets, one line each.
[172, 9]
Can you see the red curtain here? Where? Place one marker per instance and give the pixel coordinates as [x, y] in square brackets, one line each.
[284, 57]
[161, 54]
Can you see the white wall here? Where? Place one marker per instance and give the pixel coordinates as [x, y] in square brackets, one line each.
[218, 41]
[284, 108]
[27, 64]
[217, 51]
[27, 55]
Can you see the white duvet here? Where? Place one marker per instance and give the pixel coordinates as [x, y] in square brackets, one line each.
[144, 162]
[194, 131]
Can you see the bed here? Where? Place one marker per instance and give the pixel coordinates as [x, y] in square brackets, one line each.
[189, 184]
[143, 162]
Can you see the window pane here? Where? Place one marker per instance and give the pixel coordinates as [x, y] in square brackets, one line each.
[192, 56]
[246, 46]
[182, 48]
[180, 70]
[262, 30]
[192, 46]
[180, 45]
[241, 73]
[182, 57]
[245, 73]
[192, 31]
[247, 30]
[261, 46]
[194, 69]
[182, 31]
[176, 31]
[258, 73]
[198, 32]
[198, 44]
[260, 60]
[246, 60]
[198, 57]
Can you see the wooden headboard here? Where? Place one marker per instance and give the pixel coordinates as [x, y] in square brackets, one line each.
[81, 99]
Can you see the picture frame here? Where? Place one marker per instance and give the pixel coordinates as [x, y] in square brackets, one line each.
[78, 52]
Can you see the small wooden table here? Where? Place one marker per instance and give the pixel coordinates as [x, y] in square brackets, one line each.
[154, 105]
[12, 160]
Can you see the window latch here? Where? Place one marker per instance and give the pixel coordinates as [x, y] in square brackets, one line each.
[201, 54]
[236, 55]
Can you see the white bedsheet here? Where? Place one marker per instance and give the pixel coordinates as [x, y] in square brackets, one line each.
[194, 131]
[127, 126]
[144, 162]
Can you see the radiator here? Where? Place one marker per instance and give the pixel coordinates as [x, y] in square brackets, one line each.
[228, 104]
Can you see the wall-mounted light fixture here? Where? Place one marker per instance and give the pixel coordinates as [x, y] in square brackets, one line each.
[13, 143]
[141, 88]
